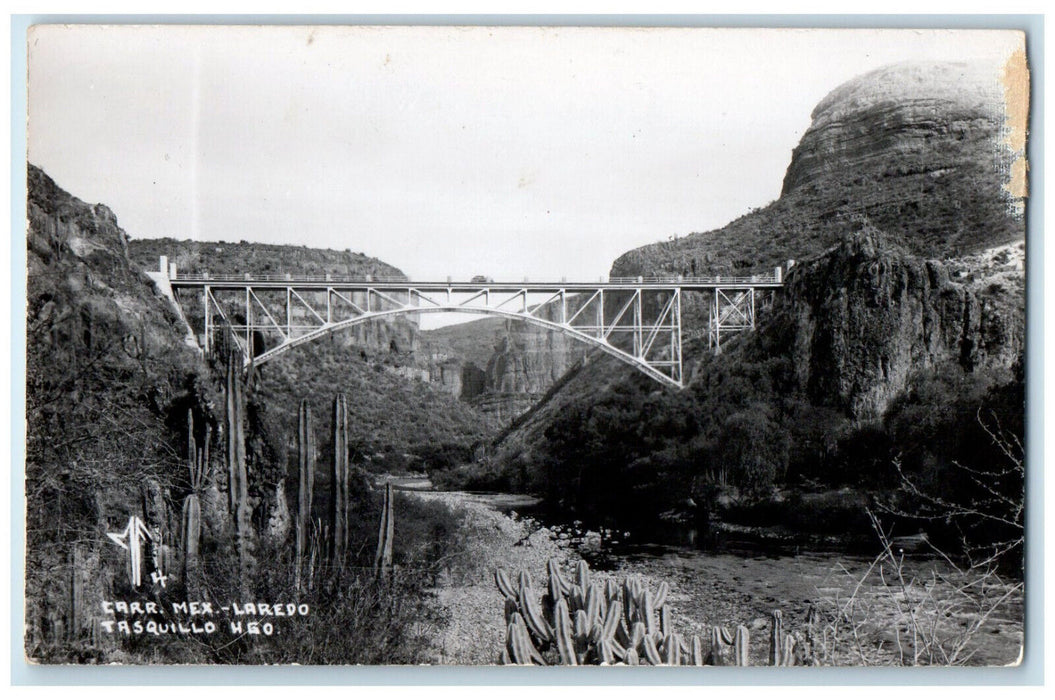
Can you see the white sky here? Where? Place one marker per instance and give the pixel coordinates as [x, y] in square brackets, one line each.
[509, 152]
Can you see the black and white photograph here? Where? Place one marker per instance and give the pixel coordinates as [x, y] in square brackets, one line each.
[525, 345]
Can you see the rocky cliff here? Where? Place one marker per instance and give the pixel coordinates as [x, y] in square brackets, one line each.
[917, 150]
[505, 366]
[860, 321]
[109, 383]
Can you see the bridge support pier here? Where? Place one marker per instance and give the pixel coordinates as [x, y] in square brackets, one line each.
[731, 310]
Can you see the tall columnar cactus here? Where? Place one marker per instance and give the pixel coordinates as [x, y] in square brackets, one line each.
[339, 482]
[191, 535]
[305, 486]
[583, 620]
[237, 478]
[776, 638]
[383, 559]
[190, 527]
[76, 595]
[740, 646]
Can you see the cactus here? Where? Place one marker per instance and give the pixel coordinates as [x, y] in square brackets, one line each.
[305, 487]
[563, 634]
[671, 650]
[666, 625]
[649, 609]
[776, 638]
[556, 577]
[519, 648]
[697, 651]
[661, 594]
[740, 646]
[605, 653]
[787, 657]
[504, 584]
[583, 575]
[810, 645]
[511, 607]
[191, 536]
[314, 556]
[637, 635]
[583, 620]
[651, 652]
[237, 478]
[383, 560]
[190, 519]
[339, 482]
[593, 604]
[534, 617]
[76, 595]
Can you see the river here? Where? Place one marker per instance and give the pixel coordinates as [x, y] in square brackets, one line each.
[868, 607]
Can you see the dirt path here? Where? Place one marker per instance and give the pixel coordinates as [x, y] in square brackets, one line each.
[476, 631]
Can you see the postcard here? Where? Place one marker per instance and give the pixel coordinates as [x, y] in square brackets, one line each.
[423, 345]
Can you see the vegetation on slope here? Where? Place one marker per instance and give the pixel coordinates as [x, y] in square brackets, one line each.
[110, 381]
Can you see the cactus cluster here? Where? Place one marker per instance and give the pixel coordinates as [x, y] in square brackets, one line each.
[319, 539]
[584, 620]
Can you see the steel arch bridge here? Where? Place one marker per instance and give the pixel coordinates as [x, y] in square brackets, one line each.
[636, 320]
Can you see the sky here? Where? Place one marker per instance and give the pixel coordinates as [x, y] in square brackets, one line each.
[509, 152]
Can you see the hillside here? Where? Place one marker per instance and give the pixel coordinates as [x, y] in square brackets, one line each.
[397, 336]
[108, 377]
[908, 298]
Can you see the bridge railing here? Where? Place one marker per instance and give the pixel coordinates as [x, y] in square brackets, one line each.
[650, 279]
[681, 279]
[205, 276]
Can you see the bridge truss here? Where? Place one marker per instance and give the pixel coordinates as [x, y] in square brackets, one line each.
[636, 320]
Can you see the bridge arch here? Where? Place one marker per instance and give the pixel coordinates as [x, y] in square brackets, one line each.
[638, 363]
[290, 308]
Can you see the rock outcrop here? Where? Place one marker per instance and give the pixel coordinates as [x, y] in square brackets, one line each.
[901, 121]
[505, 366]
[81, 282]
[862, 319]
[916, 151]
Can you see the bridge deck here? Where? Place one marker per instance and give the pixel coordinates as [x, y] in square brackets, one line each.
[615, 283]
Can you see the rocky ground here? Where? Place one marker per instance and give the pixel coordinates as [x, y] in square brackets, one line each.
[718, 589]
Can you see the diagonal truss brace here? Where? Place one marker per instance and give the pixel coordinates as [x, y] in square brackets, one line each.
[731, 310]
[620, 322]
